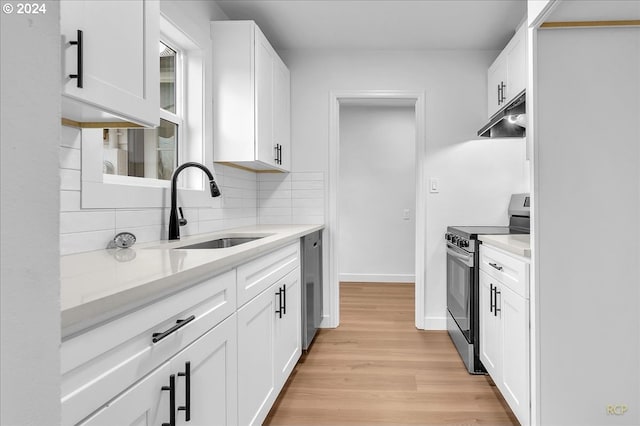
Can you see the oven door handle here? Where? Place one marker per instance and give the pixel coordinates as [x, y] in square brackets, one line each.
[466, 259]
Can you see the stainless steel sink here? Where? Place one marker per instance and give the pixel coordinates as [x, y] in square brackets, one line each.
[220, 243]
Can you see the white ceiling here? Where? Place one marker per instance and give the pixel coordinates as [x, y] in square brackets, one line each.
[382, 24]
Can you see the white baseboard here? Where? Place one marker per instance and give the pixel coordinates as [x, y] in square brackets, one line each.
[435, 323]
[379, 278]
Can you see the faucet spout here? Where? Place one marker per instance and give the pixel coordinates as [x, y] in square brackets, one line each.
[174, 223]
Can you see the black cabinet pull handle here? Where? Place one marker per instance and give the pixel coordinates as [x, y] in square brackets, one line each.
[279, 311]
[495, 308]
[187, 391]
[179, 324]
[79, 70]
[502, 87]
[496, 266]
[491, 298]
[279, 154]
[284, 299]
[172, 400]
[275, 149]
[499, 96]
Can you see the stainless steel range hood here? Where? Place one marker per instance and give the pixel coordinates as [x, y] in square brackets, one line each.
[509, 122]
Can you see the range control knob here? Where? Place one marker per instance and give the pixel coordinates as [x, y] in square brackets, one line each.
[463, 243]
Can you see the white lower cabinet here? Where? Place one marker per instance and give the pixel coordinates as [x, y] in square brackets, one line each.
[196, 358]
[504, 326]
[269, 345]
[142, 405]
[196, 387]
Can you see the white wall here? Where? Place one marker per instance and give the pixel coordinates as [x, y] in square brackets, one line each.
[30, 290]
[376, 185]
[587, 225]
[476, 176]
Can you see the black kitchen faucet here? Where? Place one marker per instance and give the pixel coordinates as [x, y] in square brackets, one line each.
[174, 222]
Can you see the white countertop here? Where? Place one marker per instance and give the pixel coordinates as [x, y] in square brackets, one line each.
[99, 285]
[516, 244]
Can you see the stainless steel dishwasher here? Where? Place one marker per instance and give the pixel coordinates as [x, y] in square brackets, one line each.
[311, 286]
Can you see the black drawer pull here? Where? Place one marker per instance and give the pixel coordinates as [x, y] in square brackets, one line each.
[280, 309]
[172, 400]
[80, 73]
[491, 298]
[179, 324]
[495, 307]
[284, 299]
[187, 391]
[499, 268]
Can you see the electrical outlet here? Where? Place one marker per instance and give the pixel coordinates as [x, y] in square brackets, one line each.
[406, 214]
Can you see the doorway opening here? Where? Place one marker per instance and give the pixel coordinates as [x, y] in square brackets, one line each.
[377, 200]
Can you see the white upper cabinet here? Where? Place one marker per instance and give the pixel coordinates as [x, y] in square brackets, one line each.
[115, 65]
[251, 99]
[507, 76]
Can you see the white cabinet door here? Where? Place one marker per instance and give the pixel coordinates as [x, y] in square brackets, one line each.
[282, 112]
[144, 404]
[251, 98]
[516, 57]
[119, 60]
[211, 362]
[515, 356]
[264, 99]
[496, 83]
[256, 338]
[490, 332]
[288, 334]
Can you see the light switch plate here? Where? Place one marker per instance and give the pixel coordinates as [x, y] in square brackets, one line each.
[434, 185]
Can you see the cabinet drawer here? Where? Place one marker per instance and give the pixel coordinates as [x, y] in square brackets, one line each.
[98, 364]
[509, 270]
[256, 276]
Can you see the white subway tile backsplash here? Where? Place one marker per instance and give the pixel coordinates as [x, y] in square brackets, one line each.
[275, 220]
[275, 211]
[307, 184]
[69, 180]
[311, 211]
[206, 214]
[275, 202]
[87, 221]
[69, 201]
[274, 194]
[308, 220]
[274, 177]
[146, 234]
[70, 137]
[274, 185]
[85, 241]
[307, 202]
[137, 218]
[69, 158]
[307, 193]
[248, 198]
[308, 176]
[211, 226]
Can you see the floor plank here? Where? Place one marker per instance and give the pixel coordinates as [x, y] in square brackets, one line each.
[377, 369]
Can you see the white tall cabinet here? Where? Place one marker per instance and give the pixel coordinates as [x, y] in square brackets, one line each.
[115, 61]
[504, 326]
[251, 99]
[507, 75]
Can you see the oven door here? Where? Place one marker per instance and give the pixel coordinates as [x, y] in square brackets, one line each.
[459, 287]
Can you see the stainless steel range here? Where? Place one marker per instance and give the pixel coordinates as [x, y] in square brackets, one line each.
[462, 279]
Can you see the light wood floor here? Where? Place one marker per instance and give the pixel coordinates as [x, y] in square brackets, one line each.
[376, 369]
